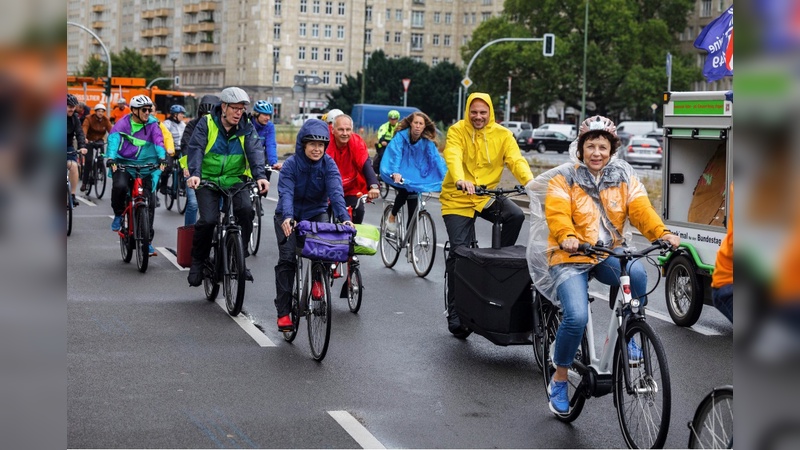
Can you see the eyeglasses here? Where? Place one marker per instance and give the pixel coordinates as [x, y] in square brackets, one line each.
[147, 110]
[237, 109]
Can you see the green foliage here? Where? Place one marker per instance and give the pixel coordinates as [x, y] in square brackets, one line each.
[127, 63]
[626, 52]
[432, 90]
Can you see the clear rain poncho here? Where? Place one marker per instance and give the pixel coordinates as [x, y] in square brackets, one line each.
[539, 249]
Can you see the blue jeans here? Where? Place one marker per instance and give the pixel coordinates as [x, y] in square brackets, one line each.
[573, 294]
[190, 215]
[723, 300]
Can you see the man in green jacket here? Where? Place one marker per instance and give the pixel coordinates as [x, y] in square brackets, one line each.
[385, 134]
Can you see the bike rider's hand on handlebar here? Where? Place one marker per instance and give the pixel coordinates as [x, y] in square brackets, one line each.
[467, 186]
[674, 241]
[263, 185]
[193, 182]
[570, 245]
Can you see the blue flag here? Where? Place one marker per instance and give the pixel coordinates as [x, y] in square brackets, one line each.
[717, 39]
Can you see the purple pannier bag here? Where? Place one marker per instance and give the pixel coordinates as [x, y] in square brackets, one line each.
[325, 241]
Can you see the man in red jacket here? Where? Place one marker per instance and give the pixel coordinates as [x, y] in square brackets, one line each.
[350, 153]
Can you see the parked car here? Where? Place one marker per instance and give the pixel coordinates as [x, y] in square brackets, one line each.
[523, 140]
[571, 131]
[657, 134]
[643, 151]
[517, 127]
[543, 140]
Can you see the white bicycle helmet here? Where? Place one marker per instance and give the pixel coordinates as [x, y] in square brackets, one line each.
[99, 106]
[234, 95]
[140, 101]
[333, 114]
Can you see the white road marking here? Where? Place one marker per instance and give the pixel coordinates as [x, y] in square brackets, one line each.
[354, 428]
[261, 339]
[85, 201]
[666, 318]
[171, 258]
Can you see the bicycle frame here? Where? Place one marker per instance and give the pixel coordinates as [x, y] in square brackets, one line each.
[226, 223]
[404, 232]
[136, 197]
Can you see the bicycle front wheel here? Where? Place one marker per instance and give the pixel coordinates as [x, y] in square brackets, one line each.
[234, 273]
[69, 211]
[126, 241]
[354, 288]
[644, 410]
[390, 242]
[210, 279]
[550, 321]
[712, 426]
[384, 188]
[298, 300]
[255, 236]
[142, 235]
[169, 198]
[423, 247]
[180, 191]
[319, 312]
[100, 179]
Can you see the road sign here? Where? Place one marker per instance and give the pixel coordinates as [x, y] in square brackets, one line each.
[406, 82]
[307, 79]
[466, 82]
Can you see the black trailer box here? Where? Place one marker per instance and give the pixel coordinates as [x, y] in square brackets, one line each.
[493, 293]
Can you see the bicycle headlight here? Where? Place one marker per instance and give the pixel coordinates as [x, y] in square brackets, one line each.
[635, 303]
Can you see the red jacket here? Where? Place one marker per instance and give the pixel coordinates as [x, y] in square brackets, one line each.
[351, 160]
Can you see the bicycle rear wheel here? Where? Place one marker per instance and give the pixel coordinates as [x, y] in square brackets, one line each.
[169, 184]
[180, 190]
[142, 234]
[210, 279]
[390, 244]
[69, 211]
[126, 242]
[234, 267]
[423, 244]
[354, 288]
[644, 413]
[712, 426]
[551, 319]
[100, 179]
[319, 311]
[255, 236]
[298, 301]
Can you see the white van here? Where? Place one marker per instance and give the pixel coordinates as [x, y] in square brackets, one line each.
[568, 130]
[517, 127]
[636, 128]
[297, 119]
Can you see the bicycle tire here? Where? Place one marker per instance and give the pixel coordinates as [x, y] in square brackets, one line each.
[683, 291]
[319, 311]
[210, 279]
[712, 425]
[100, 179]
[354, 289]
[125, 240]
[169, 197]
[142, 236]
[551, 319]
[70, 207]
[538, 331]
[423, 246]
[234, 282]
[389, 245]
[181, 192]
[298, 303]
[639, 434]
[255, 236]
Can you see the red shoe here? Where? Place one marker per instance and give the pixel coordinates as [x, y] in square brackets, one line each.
[316, 290]
[285, 323]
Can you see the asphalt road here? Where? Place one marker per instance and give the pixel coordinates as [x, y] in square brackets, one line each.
[151, 363]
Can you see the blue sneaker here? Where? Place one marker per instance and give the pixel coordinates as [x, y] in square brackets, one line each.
[559, 400]
[634, 353]
[117, 223]
[151, 250]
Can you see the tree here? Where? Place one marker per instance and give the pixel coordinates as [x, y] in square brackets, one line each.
[127, 63]
[627, 46]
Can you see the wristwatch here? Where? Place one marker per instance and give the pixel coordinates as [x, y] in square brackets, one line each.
[373, 186]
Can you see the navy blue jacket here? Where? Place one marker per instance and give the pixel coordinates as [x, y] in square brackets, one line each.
[305, 186]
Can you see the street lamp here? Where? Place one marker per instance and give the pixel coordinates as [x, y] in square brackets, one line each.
[275, 58]
[585, 45]
[173, 56]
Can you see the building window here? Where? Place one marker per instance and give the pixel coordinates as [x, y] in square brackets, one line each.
[448, 18]
[277, 77]
[473, 15]
[485, 16]
[278, 7]
[398, 15]
[341, 10]
[388, 14]
[367, 12]
[315, 30]
[417, 58]
[368, 37]
[398, 37]
[435, 39]
[446, 60]
[315, 7]
[303, 6]
[338, 78]
[326, 77]
[301, 53]
[302, 29]
[435, 60]
[328, 31]
[417, 19]
[721, 5]
[276, 32]
[339, 55]
[464, 39]
[416, 41]
[447, 40]
[328, 8]
[314, 53]
[705, 8]
[276, 53]
[487, 2]
[466, 18]
[340, 32]
[326, 54]
[388, 37]
[437, 17]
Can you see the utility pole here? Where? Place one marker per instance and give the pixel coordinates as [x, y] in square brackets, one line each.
[585, 46]
[508, 102]
[364, 62]
[274, 73]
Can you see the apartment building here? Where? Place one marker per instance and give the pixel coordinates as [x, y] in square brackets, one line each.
[704, 12]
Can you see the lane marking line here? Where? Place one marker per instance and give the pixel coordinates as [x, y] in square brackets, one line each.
[666, 318]
[85, 201]
[247, 325]
[354, 428]
[171, 258]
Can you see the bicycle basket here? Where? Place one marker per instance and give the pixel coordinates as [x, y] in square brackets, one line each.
[325, 241]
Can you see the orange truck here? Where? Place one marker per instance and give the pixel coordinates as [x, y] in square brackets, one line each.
[91, 91]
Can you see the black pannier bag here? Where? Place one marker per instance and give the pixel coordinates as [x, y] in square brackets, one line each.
[493, 293]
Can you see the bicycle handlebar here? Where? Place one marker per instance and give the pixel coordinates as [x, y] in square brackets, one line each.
[589, 249]
[483, 190]
[227, 191]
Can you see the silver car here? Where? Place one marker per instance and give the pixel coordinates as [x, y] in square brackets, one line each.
[643, 151]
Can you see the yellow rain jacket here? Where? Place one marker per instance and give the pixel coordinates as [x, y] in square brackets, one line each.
[478, 156]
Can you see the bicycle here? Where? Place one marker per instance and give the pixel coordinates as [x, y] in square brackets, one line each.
[135, 233]
[354, 285]
[175, 189]
[419, 240]
[70, 205]
[311, 283]
[384, 188]
[712, 425]
[97, 172]
[226, 262]
[645, 381]
[258, 213]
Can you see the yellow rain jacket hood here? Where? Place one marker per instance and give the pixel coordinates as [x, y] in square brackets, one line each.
[479, 156]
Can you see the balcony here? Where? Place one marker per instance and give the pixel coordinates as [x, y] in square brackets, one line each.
[153, 13]
[207, 6]
[98, 25]
[147, 51]
[192, 8]
[161, 50]
[192, 28]
[205, 47]
[189, 48]
[205, 26]
[152, 32]
[98, 8]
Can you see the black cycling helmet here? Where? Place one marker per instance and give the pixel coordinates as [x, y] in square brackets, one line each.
[314, 137]
[207, 104]
[72, 100]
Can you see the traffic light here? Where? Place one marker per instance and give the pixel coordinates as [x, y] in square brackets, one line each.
[503, 100]
[549, 47]
[108, 87]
